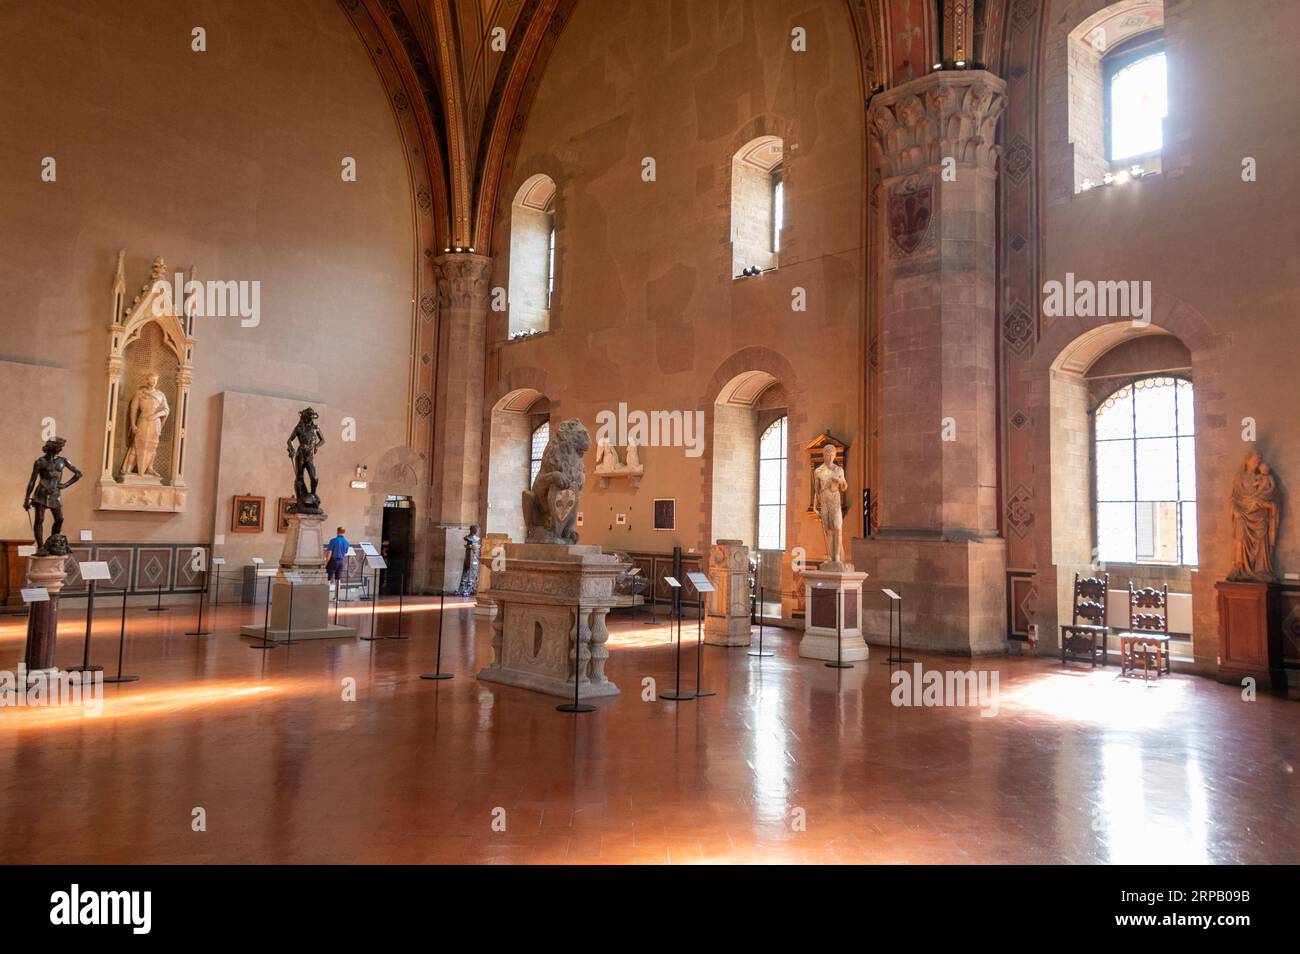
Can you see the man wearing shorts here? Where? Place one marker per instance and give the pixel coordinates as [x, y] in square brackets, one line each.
[338, 559]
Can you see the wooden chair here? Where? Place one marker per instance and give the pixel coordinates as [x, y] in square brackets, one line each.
[1146, 640]
[1086, 641]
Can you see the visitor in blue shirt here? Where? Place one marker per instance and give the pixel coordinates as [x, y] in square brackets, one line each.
[338, 550]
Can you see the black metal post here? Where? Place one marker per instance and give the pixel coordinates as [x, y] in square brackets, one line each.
[760, 627]
[85, 652]
[401, 592]
[677, 695]
[159, 608]
[203, 598]
[121, 646]
[438, 673]
[575, 705]
[839, 636]
[266, 621]
[699, 652]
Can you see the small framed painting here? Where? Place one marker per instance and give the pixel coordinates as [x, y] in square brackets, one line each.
[282, 515]
[246, 514]
[665, 513]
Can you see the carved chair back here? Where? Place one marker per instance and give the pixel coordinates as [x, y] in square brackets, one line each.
[1148, 609]
[1090, 600]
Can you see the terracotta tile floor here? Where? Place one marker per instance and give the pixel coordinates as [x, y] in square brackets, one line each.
[1076, 766]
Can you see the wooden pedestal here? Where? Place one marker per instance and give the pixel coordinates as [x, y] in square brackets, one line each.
[1246, 647]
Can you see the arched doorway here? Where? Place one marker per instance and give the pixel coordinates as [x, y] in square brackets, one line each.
[518, 432]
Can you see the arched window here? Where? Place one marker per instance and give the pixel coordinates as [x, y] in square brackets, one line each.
[757, 206]
[532, 256]
[1145, 446]
[771, 486]
[1117, 93]
[541, 436]
[1137, 99]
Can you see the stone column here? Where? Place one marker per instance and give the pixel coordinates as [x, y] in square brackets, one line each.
[938, 544]
[43, 616]
[464, 286]
[726, 614]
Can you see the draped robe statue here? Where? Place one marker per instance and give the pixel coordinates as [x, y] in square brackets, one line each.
[1256, 511]
[145, 417]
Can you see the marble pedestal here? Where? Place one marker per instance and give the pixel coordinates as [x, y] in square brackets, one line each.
[546, 595]
[304, 602]
[726, 614]
[825, 590]
[43, 616]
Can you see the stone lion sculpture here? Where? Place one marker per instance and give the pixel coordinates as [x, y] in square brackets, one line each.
[551, 506]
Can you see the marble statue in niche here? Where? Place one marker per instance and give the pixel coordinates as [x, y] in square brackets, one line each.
[551, 504]
[44, 492]
[829, 487]
[608, 464]
[1256, 512]
[149, 374]
[146, 416]
[310, 439]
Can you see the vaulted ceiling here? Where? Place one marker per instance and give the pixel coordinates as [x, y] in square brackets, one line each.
[466, 71]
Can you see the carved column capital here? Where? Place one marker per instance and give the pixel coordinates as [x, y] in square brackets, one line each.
[954, 114]
[464, 280]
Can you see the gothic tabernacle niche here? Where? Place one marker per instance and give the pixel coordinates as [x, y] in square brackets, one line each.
[150, 368]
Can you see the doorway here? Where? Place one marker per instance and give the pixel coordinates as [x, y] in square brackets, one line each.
[395, 543]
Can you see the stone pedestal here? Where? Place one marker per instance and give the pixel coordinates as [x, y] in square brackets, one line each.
[305, 604]
[1246, 647]
[43, 616]
[726, 614]
[825, 590]
[551, 605]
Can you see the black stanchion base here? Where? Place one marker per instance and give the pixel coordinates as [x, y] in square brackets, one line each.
[202, 632]
[397, 637]
[159, 609]
[765, 653]
[437, 675]
[677, 696]
[371, 639]
[701, 693]
[838, 665]
[578, 707]
[900, 659]
[263, 646]
[84, 669]
[121, 678]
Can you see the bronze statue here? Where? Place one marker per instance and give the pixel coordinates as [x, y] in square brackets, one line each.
[469, 569]
[43, 493]
[310, 439]
[1256, 511]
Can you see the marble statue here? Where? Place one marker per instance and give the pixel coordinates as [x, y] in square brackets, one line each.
[44, 492]
[310, 439]
[829, 487]
[607, 461]
[1256, 511]
[551, 505]
[145, 417]
[633, 462]
[469, 569]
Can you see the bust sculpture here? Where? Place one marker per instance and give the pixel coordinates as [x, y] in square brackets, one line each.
[469, 569]
[310, 439]
[1256, 512]
[829, 487]
[44, 492]
[145, 417]
[551, 504]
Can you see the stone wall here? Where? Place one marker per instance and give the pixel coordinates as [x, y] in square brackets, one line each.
[229, 160]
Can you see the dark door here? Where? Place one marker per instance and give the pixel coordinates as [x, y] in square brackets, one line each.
[396, 548]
